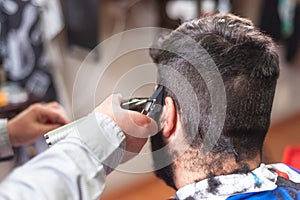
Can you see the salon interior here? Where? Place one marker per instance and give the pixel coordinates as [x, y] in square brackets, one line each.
[85, 50]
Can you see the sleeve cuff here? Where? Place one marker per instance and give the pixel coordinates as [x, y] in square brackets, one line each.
[6, 151]
[104, 138]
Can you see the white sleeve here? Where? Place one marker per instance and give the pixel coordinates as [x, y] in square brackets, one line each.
[74, 168]
[6, 150]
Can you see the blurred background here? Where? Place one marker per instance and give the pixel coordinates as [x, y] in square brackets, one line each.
[63, 33]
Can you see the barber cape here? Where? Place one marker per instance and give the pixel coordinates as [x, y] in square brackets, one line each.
[277, 181]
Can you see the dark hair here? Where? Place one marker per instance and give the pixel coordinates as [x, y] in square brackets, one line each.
[249, 67]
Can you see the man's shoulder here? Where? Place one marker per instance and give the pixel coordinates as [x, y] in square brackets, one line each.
[281, 192]
[275, 181]
[288, 185]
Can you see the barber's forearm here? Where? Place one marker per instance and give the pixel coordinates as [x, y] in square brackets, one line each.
[65, 171]
[6, 150]
[73, 168]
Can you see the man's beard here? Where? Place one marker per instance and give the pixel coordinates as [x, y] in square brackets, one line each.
[161, 159]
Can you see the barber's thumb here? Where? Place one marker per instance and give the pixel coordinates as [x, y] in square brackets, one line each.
[110, 106]
[144, 125]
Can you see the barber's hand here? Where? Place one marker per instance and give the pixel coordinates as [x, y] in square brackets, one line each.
[136, 126]
[35, 121]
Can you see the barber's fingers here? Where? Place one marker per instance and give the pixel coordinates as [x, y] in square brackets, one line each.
[56, 107]
[131, 122]
[53, 115]
[53, 104]
[44, 128]
[138, 125]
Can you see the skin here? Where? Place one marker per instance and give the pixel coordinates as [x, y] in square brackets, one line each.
[34, 122]
[136, 126]
[39, 119]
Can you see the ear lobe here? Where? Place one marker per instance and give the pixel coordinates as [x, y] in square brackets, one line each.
[168, 117]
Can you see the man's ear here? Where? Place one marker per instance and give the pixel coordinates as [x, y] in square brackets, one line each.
[169, 117]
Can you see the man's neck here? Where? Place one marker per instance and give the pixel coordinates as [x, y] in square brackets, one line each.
[207, 169]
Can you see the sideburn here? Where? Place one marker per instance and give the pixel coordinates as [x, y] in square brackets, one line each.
[161, 158]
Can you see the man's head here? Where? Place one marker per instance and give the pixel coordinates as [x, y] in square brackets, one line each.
[248, 65]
